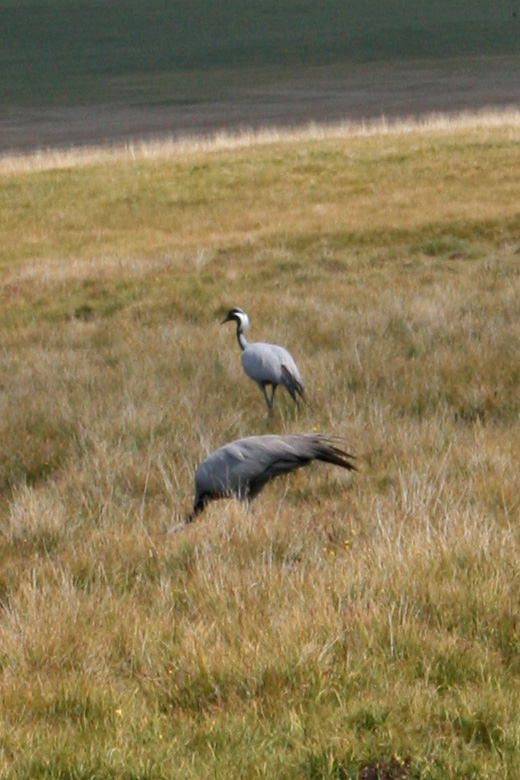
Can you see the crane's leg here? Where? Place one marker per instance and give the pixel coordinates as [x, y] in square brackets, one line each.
[268, 402]
[272, 395]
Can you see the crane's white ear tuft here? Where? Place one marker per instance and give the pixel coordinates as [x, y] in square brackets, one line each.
[245, 320]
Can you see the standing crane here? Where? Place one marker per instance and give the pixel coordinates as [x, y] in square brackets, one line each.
[266, 364]
[243, 467]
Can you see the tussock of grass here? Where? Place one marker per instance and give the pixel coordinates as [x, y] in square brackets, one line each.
[344, 627]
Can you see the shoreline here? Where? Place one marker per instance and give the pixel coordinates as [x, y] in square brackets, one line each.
[199, 105]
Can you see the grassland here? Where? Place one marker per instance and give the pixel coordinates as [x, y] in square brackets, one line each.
[345, 628]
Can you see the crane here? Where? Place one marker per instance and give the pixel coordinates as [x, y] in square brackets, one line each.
[266, 364]
[243, 467]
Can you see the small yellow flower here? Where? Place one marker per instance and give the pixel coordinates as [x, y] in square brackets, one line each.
[119, 712]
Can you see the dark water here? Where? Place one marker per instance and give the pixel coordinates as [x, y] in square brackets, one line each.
[101, 71]
[199, 103]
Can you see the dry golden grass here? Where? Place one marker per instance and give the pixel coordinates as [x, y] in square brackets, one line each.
[343, 624]
[459, 122]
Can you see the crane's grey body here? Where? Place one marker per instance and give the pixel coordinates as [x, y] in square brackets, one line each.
[243, 467]
[266, 364]
[270, 364]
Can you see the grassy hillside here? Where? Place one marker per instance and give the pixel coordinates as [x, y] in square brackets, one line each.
[76, 51]
[346, 627]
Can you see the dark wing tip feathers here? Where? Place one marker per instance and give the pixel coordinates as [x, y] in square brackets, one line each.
[333, 454]
[347, 459]
[291, 382]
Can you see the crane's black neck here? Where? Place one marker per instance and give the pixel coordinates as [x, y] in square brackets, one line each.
[199, 506]
[242, 341]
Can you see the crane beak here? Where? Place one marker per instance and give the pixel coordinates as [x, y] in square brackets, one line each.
[226, 319]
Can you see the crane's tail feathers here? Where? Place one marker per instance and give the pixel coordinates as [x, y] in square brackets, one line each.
[303, 396]
[330, 453]
[292, 385]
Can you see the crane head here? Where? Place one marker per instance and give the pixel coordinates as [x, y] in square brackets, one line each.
[238, 315]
